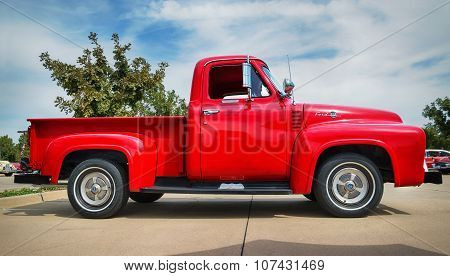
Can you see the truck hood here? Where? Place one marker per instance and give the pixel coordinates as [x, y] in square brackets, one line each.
[320, 113]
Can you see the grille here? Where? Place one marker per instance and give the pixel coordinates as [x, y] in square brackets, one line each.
[296, 118]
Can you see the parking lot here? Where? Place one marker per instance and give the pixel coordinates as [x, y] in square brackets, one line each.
[7, 183]
[409, 221]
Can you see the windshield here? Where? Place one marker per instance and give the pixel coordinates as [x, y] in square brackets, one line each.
[274, 81]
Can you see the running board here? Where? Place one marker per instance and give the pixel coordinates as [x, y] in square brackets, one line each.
[179, 185]
[31, 178]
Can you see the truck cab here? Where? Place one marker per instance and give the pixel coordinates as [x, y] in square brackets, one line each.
[246, 126]
[243, 134]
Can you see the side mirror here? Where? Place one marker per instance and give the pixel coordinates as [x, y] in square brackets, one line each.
[288, 86]
[247, 77]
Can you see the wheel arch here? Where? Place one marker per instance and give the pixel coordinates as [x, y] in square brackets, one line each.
[113, 147]
[304, 171]
[72, 159]
[376, 153]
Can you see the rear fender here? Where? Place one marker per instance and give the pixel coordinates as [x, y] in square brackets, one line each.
[141, 158]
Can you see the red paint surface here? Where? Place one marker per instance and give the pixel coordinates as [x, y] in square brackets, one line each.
[265, 139]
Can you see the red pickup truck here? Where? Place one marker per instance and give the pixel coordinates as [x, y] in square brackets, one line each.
[243, 134]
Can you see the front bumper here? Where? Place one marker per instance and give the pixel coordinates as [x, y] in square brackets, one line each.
[433, 176]
[441, 166]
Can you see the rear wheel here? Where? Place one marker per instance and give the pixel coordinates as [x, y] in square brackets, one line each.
[348, 185]
[144, 197]
[8, 174]
[98, 188]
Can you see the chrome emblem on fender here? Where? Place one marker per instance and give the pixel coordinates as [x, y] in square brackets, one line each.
[332, 114]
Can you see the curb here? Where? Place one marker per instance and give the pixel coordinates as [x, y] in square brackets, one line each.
[14, 201]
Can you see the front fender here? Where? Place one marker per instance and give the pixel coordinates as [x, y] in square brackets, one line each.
[404, 144]
[141, 158]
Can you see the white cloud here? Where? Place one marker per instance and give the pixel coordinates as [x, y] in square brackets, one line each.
[25, 41]
[382, 77]
[29, 92]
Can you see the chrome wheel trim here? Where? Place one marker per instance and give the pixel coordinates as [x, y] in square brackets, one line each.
[95, 188]
[77, 191]
[371, 184]
[350, 186]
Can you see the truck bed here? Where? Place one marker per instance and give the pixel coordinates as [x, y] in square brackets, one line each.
[165, 133]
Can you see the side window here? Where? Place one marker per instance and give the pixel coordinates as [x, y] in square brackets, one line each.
[226, 81]
[443, 153]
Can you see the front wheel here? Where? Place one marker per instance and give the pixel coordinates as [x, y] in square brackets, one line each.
[8, 174]
[98, 188]
[348, 185]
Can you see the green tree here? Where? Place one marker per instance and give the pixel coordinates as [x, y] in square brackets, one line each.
[8, 150]
[23, 143]
[96, 88]
[438, 129]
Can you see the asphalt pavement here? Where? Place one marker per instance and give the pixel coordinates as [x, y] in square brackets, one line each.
[409, 221]
[7, 183]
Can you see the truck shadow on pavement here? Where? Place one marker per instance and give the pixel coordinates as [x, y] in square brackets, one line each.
[279, 248]
[199, 209]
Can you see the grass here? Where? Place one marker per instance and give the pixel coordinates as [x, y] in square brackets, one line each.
[27, 191]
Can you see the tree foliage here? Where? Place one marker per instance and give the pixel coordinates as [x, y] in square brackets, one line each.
[96, 88]
[438, 129]
[8, 150]
[11, 151]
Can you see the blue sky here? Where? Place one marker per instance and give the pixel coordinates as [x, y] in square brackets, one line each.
[401, 74]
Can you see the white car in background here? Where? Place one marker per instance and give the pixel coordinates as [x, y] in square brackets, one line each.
[6, 168]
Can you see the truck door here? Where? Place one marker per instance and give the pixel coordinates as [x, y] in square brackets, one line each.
[241, 140]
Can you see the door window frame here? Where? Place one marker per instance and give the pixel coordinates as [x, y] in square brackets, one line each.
[256, 65]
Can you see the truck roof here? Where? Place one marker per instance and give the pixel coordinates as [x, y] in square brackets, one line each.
[205, 61]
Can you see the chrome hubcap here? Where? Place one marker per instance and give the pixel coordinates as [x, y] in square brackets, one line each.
[95, 188]
[350, 186]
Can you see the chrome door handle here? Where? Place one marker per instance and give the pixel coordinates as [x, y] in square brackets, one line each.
[210, 111]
